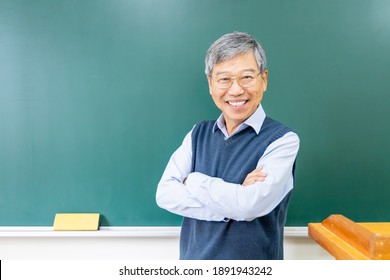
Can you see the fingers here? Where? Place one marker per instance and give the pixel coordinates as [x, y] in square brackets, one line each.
[256, 175]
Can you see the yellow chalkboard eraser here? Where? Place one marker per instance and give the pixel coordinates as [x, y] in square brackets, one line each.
[76, 221]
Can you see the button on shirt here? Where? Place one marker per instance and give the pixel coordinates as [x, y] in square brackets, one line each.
[212, 199]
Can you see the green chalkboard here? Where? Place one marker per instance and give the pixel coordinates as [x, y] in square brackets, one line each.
[95, 95]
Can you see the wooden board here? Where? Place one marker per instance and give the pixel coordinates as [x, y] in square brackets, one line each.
[347, 240]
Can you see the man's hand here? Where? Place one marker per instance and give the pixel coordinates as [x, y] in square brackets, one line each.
[255, 176]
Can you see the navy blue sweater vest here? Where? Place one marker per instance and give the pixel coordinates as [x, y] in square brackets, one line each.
[232, 160]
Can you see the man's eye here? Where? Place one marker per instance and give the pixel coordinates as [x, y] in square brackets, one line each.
[247, 78]
[224, 80]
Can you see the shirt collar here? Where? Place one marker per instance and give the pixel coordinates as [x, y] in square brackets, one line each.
[255, 121]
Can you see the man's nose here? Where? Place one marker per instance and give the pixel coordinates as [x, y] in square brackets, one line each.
[235, 88]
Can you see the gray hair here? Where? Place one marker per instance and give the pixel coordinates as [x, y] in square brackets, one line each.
[231, 45]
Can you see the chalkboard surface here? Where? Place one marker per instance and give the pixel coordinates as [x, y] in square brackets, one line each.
[95, 96]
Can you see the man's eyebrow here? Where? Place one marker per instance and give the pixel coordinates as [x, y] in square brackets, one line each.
[242, 71]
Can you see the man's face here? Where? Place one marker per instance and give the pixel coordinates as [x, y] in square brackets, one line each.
[237, 103]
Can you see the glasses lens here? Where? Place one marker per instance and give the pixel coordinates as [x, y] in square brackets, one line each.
[224, 82]
[247, 81]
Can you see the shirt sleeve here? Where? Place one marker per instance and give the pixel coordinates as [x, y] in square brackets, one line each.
[240, 203]
[173, 195]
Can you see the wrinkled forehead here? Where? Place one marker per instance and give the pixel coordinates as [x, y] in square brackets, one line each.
[243, 72]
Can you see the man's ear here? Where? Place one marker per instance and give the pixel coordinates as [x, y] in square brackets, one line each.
[209, 80]
[264, 77]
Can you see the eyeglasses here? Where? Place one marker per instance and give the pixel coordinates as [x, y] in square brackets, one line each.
[244, 81]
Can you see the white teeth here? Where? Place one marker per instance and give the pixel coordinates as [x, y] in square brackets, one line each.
[236, 104]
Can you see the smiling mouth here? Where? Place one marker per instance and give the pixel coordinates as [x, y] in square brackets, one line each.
[237, 103]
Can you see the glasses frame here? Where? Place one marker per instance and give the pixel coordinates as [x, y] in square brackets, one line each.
[238, 79]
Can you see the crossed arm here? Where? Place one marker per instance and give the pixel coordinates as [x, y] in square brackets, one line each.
[255, 176]
[199, 196]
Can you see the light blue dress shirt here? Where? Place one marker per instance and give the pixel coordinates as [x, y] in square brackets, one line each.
[212, 199]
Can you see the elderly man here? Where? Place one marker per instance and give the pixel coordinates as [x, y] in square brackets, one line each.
[231, 179]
